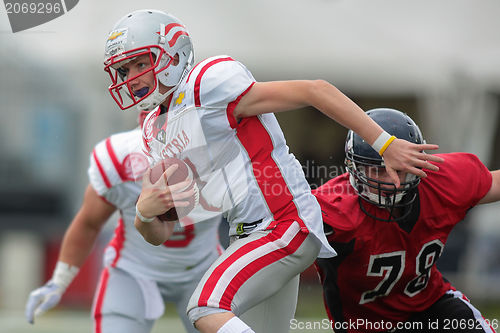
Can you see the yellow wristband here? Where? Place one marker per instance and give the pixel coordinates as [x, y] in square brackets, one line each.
[386, 144]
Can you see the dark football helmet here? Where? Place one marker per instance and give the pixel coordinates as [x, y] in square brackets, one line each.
[360, 157]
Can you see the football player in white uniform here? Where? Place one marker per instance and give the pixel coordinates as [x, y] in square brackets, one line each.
[137, 277]
[218, 119]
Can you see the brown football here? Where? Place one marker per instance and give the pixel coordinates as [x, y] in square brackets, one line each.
[182, 172]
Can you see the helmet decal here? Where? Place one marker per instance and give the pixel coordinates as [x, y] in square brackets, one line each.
[115, 44]
[177, 34]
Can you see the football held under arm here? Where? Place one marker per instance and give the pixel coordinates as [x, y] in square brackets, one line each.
[155, 199]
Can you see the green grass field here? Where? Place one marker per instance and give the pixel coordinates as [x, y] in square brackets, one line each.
[309, 310]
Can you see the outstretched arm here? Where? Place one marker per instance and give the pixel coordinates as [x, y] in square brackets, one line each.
[494, 192]
[82, 233]
[278, 96]
[78, 241]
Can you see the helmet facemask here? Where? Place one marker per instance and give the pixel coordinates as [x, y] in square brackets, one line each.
[365, 166]
[379, 193]
[120, 88]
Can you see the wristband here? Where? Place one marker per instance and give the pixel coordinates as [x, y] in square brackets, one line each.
[382, 142]
[64, 274]
[142, 218]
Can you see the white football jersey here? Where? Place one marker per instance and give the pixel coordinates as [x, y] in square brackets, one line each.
[244, 168]
[116, 168]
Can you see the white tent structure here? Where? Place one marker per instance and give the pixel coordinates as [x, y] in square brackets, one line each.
[446, 50]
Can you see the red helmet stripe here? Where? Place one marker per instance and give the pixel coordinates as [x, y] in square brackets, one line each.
[176, 36]
[171, 26]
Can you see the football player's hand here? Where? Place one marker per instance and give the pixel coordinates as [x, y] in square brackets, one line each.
[409, 157]
[157, 198]
[42, 299]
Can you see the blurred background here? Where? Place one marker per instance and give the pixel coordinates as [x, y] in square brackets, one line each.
[439, 61]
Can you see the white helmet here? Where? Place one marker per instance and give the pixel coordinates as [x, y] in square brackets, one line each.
[153, 33]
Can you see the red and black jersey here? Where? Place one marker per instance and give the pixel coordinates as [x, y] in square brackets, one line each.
[386, 270]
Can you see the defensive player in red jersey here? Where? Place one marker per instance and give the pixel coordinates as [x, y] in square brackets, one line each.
[388, 239]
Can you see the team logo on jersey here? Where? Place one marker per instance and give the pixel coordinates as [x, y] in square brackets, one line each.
[176, 146]
[161, 136]
[179, 99]
[147, 129]
[239, 229]
[134, 166]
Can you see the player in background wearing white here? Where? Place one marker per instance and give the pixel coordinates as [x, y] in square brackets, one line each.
[220, 119]
[137, 277]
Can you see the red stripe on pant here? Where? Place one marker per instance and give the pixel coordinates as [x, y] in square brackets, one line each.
[99, 300]
[245, 273]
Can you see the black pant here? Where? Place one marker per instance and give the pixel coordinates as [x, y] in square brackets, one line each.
[448, 314]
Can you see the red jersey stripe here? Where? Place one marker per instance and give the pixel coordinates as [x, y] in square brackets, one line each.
[197, 83]
[101, 170]
[114, 159]
[191, 72]
[268, 174]
[118, 241]
[99, 300]
[231, 106]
